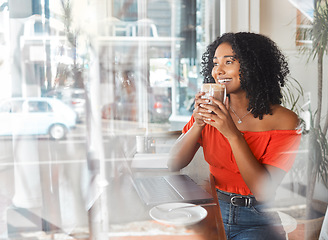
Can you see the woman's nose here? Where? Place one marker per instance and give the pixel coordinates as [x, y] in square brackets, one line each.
[217, 71]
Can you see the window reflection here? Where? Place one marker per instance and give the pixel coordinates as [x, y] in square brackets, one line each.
[87, 78]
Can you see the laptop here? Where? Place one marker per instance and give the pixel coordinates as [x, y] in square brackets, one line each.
[156, 190]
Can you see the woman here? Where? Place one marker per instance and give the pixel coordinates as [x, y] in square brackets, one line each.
[246, 140]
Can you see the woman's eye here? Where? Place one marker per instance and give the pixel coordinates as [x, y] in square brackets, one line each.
[228, 62]
[215, 64]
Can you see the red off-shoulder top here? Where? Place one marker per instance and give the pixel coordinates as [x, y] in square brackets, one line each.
[277, 148]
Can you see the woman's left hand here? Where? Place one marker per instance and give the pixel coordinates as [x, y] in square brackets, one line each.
[220, 118]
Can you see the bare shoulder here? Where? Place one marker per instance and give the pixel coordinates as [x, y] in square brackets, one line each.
[283, 118]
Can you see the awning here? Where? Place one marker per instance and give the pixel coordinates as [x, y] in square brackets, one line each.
[305, 6]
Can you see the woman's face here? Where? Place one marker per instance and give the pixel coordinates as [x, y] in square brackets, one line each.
[226, 68]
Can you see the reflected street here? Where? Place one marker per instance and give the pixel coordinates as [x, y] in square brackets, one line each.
[42, 171]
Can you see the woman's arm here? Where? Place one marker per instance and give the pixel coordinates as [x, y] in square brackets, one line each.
[261, 179]
[266, 178]
[184, 149]
[187, 144]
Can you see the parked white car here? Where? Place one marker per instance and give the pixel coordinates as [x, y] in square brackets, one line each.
[73, 97]
[36, 116]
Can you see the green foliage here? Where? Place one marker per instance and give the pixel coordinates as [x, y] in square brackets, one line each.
[318, 33]
[319, 153]
[292, 92]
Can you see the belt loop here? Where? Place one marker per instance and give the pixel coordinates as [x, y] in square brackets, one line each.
[248, 202]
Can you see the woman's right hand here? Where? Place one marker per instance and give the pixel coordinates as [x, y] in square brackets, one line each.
[198, 110]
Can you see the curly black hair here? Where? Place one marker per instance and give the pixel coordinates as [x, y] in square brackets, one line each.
[263, 68]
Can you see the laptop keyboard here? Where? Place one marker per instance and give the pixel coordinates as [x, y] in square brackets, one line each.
[157, 188]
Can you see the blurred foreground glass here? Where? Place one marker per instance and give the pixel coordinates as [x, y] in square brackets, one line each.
[124, 69]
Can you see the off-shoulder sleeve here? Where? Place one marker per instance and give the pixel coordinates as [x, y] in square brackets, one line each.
[282, 149]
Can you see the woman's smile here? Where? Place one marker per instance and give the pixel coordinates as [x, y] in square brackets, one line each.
[224, 81]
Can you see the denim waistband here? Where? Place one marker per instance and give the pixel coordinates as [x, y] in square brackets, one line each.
[237, 199]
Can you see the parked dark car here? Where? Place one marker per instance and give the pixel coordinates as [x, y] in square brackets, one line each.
[159, 109]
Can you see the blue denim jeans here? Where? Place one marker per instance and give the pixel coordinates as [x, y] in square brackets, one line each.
[250, 222]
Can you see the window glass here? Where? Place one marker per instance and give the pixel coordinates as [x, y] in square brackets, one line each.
[16, 106]
[11, 106]
[111, 73]
[38, 107]
[165, 66]
[5, 107]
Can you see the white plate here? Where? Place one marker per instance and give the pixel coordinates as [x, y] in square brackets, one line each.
[180, 216]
